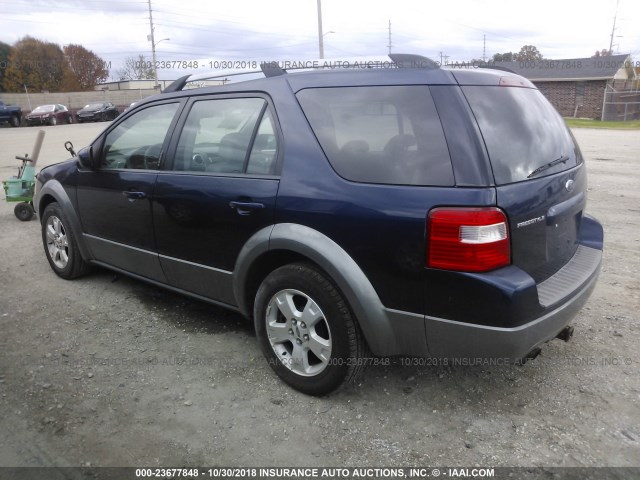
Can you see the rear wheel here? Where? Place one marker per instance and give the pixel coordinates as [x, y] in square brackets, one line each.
[60, 244]
[53, 121]
[69, 119]
[306, 330]
[14, 121]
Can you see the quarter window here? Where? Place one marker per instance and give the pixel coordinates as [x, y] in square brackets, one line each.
[389, 135]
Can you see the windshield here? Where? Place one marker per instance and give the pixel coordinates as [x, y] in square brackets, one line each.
[522, 132]
[44, 109]
[93, 106]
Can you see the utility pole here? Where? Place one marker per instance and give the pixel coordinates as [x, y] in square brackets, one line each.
[153, 47]
[390, 44]
[484, 48]
[614, 28]
[320, 36]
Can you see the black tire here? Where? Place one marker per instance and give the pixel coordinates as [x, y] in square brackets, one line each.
[53, 121]
[336, 327]
[69, 119]
[74, 266]
[103, 117]
[23, 211]
[14, 121]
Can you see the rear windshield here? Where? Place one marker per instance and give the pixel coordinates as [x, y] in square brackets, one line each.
[389, 135]
[523, 133]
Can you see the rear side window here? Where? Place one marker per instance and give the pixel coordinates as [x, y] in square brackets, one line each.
[388, 135]
[523, 133]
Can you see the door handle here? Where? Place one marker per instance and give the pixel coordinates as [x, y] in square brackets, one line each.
[134, 195]
[246, 208]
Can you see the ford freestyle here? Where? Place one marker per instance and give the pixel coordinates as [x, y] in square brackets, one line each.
[353, 214]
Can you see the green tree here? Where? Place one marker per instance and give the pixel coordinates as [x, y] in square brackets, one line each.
[528, 53]
[85, 69]
[37, 64]
[603, 53]
[136, 68]
[504, 57]
[5, 50]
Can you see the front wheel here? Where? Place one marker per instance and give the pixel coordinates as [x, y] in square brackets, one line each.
[306, 330]
[53, 122]
[60, 244]
[14, 121]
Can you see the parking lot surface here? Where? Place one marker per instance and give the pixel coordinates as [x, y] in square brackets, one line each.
[108, 371]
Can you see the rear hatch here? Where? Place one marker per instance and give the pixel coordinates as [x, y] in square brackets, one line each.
[538, 170]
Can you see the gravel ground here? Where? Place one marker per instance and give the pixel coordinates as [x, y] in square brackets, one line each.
[108, 371]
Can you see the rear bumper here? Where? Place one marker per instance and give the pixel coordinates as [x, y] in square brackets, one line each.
[450, 339]
[563, 295]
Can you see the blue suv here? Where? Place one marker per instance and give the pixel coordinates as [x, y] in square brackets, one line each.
[353, 214]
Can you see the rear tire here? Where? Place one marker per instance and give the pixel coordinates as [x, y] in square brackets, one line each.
[14, 121]
[306, 330]
[53, 122]
[60, 244]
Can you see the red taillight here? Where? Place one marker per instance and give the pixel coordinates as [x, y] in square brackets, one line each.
[467, 239]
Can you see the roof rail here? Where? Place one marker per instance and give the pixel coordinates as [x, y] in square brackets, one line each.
[408, 60]
[272, 69]
[177, 85]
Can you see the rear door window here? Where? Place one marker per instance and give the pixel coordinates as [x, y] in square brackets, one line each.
[387, 135]
[523, 133]
[228, 136]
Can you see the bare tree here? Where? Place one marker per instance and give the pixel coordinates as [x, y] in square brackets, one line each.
[136, 68]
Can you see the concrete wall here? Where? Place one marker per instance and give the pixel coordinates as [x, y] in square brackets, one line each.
[75, 100]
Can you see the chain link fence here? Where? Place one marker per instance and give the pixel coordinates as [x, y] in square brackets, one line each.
[621, 101]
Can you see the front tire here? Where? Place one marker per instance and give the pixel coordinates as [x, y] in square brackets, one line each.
[14, 121]
[60, 244]
[306, 330]
[53, 122]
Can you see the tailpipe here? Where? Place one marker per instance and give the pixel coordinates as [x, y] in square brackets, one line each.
[565, 334]
[532, 355]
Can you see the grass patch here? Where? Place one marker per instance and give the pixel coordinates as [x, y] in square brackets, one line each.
[587, 123]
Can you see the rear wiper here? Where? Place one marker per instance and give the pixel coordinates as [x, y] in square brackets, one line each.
[547, 166]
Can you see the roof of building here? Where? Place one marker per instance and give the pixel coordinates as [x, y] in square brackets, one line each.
[598, 68]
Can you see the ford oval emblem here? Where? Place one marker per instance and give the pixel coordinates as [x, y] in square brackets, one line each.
[570, 185]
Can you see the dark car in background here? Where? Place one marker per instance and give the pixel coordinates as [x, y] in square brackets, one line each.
[97, 112]
[415, 211]
[10, 114]
[49, 115]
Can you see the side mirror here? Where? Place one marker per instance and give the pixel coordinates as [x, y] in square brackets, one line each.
[86, 158]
